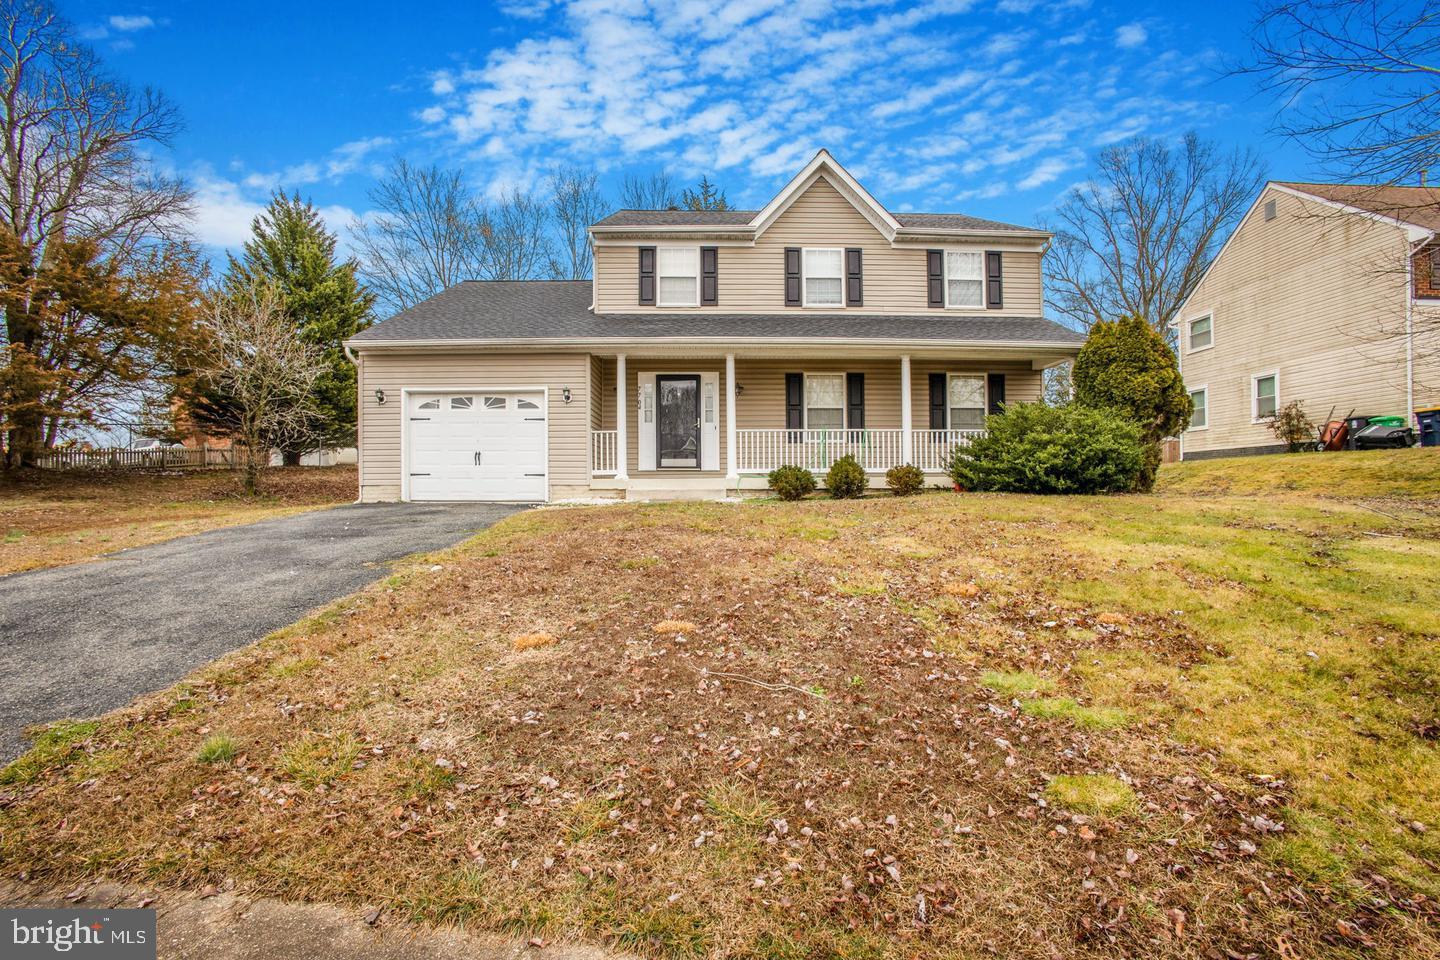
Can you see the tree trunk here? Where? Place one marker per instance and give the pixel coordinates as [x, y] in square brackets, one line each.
[290, 458]
[252, 470]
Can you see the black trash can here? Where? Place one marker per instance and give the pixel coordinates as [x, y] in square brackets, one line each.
[1429, 426]
[1355, 425]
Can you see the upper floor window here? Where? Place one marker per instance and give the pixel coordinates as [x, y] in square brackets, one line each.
[1202, 333]
[824, 274]
[964, 278]
[678, 270]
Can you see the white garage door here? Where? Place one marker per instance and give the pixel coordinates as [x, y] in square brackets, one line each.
[477, 446]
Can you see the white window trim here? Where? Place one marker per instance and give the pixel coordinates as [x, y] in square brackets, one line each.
[945, 273]
[984, 410]
[659, 276]
[1188, 334]
[1255, 395]
[1205, 389]
[844, 399]
[805, 288]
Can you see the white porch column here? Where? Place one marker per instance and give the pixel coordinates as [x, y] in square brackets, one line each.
[907, 438]
[732, 471]
[622, 412]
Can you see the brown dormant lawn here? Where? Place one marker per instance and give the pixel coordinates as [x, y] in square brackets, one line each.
[51, 518]
[944, 726]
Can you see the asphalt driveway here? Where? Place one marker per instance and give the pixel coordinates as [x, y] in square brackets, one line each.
[77, 641]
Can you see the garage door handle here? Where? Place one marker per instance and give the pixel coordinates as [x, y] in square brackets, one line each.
[534, 474]
[477, 458]
[413, 419]
[419, 474]
[541, 419]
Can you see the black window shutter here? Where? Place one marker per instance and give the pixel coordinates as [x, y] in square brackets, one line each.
[794, 401]
[709, 276]
[854, 278]
[792, 276]
[647, 276]
[996, 389]
[855, 400]
[937, 401]
[935, 275]
[994, 292]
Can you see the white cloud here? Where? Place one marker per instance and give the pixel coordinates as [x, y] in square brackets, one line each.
[127, 24]
[1131, 35]
[224, 211]
[344, 160]
[939, 96]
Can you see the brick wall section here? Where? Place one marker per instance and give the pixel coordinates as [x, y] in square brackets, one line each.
[1426, 272]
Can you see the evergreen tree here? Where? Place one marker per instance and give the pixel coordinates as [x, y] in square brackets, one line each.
[293, 254]
[706, 196]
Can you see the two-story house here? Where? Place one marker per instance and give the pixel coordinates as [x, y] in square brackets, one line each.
[710, 348]
[1324, 293]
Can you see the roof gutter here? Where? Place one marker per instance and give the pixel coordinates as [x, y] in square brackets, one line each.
[611, 343]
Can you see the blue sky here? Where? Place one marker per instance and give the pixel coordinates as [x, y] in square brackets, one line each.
[989, 107]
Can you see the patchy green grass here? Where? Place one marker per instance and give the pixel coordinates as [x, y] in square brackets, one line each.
[53, 747]
[1092, 793]
[740, 805]
[1019, 683]
[315, 760]
[1359, 473]
[217, 748]
[1067, 708]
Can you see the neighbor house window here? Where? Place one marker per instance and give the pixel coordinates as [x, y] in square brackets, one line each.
[824, 277]
[679, 276]
[1269, 209]
[825, 401]
[1267, 395]
[1202, 334]
[967, 403]
[1200, 417]
[964, 278]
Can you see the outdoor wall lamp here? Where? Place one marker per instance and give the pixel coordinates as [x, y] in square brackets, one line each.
[739, 389]
[380, 397]
[565, 394]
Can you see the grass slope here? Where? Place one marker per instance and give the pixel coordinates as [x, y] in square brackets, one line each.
[1045, 727]
[51, 518]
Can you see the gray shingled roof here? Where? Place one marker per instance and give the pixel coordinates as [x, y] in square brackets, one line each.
[732, 218]
[560, 310]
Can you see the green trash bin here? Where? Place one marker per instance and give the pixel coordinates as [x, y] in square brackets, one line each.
[1389, 420]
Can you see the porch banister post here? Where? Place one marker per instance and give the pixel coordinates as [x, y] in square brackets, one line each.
[622, 411]
[732, 472]
[907, 437]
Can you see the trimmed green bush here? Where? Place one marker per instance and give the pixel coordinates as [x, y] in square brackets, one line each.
[905, 479]
[846, 479]
[1034, 448]
[1125, 365]
[792, 483]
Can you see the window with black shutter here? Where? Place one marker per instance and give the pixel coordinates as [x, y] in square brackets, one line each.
[795, 404]
[937, 401]
[854, 278]
[935, 277]
[709, 276]
[647, 276]
[994, 288]
[855, 400]
[792, 276]
[996, 385]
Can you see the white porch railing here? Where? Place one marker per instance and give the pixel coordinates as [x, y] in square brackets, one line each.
[760, 451]
[602, 452]
[932, 448]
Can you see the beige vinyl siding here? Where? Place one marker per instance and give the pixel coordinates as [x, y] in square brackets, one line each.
[1316, 296]
[568, 424]
[752, 279]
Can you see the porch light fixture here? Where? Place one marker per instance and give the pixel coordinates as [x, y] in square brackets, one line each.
[565, 394]
[739, 389]
[380, 397]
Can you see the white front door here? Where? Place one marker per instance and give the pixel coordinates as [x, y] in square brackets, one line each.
[477, 445]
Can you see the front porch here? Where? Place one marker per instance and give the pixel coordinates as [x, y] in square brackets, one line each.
[705, 426]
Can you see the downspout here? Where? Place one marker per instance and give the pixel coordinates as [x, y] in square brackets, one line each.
[1410, 336]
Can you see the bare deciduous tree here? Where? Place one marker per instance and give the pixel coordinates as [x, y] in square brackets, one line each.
[516, 232]
[74, 170]
[654, 192]
[576, 202]
[263, 373]
[427, 234]
[1359, 83]
[1136, 238]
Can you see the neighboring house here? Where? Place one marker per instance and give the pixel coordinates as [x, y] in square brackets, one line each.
[712, 347]
[1325, 293]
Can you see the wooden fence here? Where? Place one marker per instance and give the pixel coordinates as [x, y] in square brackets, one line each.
[159, 458]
